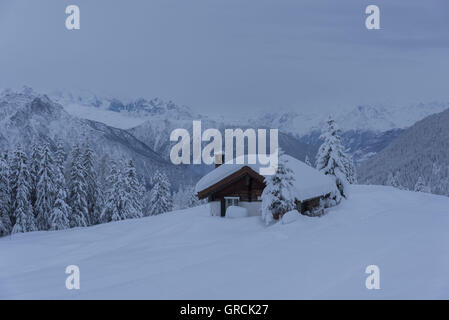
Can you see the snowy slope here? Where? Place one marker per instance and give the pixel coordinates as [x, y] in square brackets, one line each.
[189, 255]
[420, 151]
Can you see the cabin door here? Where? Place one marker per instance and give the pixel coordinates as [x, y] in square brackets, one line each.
[223, 208]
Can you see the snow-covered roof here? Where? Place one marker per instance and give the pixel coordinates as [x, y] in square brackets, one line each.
[309, 182]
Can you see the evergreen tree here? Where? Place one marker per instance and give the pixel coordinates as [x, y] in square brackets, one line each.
[351, 173]
[46, 189]
[185, 198]
[36, 154]
[307, 161]
[5, 197]
[421, 186]
[331, 159]
[77, 191]
[277, 197]
[160, 199]
[92, 191]
[147, 203]
[23, 218]
[60, 158]
[192, 198]
[179, 199]
[392, 180]
[112, 205]
[103, 171]
[131, 193]
[60, 215]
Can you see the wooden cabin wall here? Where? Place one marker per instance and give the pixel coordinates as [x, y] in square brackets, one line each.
[246, 188]
[310, 204]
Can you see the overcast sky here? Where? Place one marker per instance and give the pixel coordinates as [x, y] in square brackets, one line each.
[231, 55]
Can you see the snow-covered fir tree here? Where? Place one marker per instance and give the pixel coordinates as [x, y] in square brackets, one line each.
[112, 205]
[60, 215]
[146, 202]
[93, 190]
[131, 193]
[103, 173]
[23, 218]
[277, 197]
[13, 172]
[307, 161]
[393, 181]
[192, 198]
[351, 172]
[5, 197]
[160, 198]
[45, 189]
[185, 198]
[77, 190]
[36, 154]
[421, 185]
[179, 199]
[331, 159]
[60, 157]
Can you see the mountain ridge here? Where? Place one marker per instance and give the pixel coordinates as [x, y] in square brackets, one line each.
[419, 151]
[366, 129]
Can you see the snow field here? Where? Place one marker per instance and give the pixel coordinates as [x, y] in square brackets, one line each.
[189, 255]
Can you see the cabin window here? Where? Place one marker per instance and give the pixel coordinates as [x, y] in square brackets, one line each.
[231, 201]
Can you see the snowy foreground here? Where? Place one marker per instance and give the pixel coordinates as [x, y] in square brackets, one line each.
[189, 255]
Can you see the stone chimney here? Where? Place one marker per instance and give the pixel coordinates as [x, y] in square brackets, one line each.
[219, 159]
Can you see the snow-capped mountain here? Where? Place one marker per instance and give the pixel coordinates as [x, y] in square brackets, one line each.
[374, 118]
[28, 117]
[152, 120]
[420, 151]
[120, 113]
[366, 129]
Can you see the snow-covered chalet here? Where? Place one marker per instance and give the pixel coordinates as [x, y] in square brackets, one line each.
[232, 184]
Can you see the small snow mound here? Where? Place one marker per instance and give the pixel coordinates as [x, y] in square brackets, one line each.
[234, 212]
[290, 217]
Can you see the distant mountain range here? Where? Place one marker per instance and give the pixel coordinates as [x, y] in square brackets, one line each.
[152, 121]
[375, 118]
[366, 129]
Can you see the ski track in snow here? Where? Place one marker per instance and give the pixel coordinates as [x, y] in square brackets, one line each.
[190, 255]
